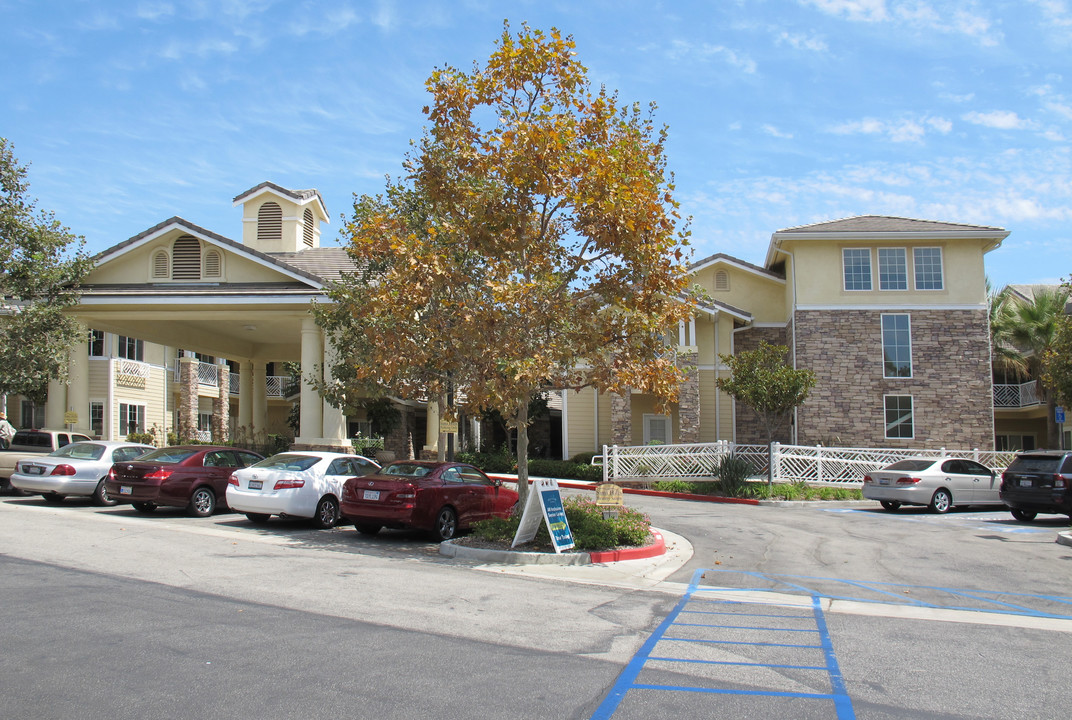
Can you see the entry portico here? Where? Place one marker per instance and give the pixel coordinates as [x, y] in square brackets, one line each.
[182, 286]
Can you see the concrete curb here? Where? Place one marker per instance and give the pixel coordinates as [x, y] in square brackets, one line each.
[1064, 538]
[510, 557]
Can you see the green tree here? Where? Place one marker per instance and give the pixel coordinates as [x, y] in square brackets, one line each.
[763, 380]
[41, 264]
[533, 244]
[1057, 359]
[1026, 330]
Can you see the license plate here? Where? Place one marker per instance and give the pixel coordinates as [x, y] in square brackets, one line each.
[883, 481]
[370, 495]
[125, 490]
[34, 470]
[256, 484]
[1025, 483]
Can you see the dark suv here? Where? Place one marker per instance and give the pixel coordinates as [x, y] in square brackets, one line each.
[1038, 481]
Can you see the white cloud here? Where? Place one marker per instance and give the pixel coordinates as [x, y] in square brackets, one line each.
[914, 13]
[1056, 12]
[997, 119]
[857, 10]
[901, 130]
[801, 42]
[178, 49]
[154, 10]
[775, 132]
[682, 50]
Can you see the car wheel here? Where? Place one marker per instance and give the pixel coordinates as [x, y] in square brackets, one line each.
[941, 501]
[890, 505]
[366, 529]
[446, 524]
[258, 518]
[327, 513]
[145, 507]
[54, 497]
[202, 503]
[1023, 515]
[101, 496]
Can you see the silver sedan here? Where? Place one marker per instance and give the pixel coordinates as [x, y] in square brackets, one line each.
[939, 483]
[76, 469]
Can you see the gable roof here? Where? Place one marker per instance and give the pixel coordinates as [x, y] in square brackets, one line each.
[885, 227]
[723, 258]
[301, 197]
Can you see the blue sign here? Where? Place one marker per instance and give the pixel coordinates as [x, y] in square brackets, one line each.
[555, 514]
[1059, 414]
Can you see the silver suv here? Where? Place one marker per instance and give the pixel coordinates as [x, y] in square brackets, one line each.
[1038, 481]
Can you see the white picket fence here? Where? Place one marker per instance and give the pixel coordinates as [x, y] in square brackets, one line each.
[790, 463]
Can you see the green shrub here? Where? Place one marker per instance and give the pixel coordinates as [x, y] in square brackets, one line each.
[591, 531]
[675, 486]
[733, 472]
[144, 438]
[499, 461]
[584, 458]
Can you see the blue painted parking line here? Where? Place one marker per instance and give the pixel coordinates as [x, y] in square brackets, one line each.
[755, 638]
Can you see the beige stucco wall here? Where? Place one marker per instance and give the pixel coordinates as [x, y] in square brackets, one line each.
[759, 294]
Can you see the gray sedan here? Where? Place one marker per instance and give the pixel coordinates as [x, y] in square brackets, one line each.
[939, 483]
[76, 469]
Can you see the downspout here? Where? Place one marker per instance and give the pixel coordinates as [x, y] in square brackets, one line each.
[718, 393]
[793, 321]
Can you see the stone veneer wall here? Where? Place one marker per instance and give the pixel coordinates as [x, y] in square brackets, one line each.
[749, 427]
[951, 387]
[221, 407]
[187, 420]
[688, 404]
[621, 418]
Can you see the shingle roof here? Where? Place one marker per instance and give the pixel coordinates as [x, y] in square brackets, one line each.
[299, 196]
[326, 263]
[885, 223]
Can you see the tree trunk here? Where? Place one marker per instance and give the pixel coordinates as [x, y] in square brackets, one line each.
[523, 451]
[441, 443]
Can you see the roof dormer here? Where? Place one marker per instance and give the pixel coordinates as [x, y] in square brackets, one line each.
[275, 219]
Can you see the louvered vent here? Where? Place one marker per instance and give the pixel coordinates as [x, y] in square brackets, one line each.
[307, 227]
[160, 265]
[186, 259]
[722, 280]
[270, 222]
[212, 264]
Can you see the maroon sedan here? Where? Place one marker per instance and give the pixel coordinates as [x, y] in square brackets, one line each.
[189, 476]
[440, 497]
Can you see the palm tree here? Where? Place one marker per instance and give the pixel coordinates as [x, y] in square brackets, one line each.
[1022, 330]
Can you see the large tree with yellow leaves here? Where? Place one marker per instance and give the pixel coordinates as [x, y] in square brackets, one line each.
[534, 244]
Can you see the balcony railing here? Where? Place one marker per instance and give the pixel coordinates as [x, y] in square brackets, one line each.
[1016, 396]
[208, 375]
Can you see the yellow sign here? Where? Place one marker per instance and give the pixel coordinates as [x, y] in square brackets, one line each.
[609, 494]
[448, 426]
[70, 418]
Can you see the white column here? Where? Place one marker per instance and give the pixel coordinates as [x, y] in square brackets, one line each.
[311, 427]
[334, 422]
[245, 396]
[259, 399]
[431, 427]
[55, 405]
[78, 389]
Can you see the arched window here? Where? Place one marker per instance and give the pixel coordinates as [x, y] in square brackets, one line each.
[212, 264]
[307, 227]
[186, 259]
[722, 280]
[270, 222]
[161, 265]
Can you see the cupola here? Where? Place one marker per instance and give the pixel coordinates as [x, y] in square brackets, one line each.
[275, 219]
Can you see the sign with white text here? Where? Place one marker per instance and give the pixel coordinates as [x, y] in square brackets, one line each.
[544, 502]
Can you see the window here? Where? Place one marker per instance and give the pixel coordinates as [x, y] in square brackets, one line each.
[186, 259]
[899, 416]
[722, 280]
[204, 422]
[896, 346]
[857, 267]
[928, 268]
[131, 348]
[892, 269]
[161, 265]
[270, 222]
[96, 418]
[131, 419]
[656, 430]
[307, 227]
[32, 416]
[96, 343]
[1004, 443]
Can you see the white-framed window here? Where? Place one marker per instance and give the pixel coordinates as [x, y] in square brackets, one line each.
[96, 418]
[927, 263]
[896, 345]
[856, 264]
[892, 269]
[204, 421]
[131, 348]
[131, 419]
[97, 346]
[1009, 443]
[656, 430]
[899, 420]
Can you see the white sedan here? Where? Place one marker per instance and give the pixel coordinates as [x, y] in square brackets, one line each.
[939, 483]
[295, 485]
[78, 468]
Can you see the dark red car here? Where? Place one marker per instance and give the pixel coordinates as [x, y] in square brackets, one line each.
[189, 476]
[440, 497]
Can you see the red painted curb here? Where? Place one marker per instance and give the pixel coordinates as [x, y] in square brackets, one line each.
[638, 553]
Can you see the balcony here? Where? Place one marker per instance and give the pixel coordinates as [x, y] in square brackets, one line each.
[1016, 396]
[208, 375]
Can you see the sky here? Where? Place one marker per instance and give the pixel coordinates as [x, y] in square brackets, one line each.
[780, 113]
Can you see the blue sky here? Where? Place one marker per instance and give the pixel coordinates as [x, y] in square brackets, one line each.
[780, 112]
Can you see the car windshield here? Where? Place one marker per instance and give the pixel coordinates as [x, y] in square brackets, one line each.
[1035, 463]
[288, 461]
[910, 465]
[80, 451]
[406, 470]
[166, 456]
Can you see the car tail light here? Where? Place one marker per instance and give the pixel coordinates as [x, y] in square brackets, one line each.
[62, 470]
[908, 480]
[406, 495]
[867, 479]
[289, 484]
[1058, 481]
[111, 473]
[159, 474]
[232, 480]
